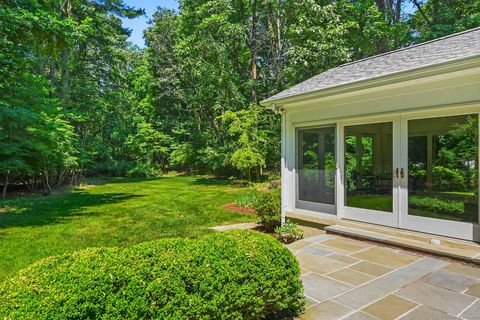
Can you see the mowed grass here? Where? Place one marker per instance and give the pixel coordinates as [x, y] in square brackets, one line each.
[120, 212]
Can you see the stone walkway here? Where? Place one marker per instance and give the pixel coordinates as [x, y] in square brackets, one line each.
[357, 280]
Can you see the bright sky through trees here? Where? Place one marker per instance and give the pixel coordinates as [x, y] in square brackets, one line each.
[139, 24]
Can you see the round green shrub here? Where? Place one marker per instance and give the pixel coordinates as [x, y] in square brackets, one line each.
[231, 275]
[269, 209]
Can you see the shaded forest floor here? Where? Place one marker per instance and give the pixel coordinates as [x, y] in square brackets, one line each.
[117, 212]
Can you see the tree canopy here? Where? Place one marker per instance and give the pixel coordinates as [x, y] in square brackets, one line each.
[76, 98]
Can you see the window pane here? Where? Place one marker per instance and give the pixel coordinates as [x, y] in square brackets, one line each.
[443, 168]
[316, 165]
[368, 166]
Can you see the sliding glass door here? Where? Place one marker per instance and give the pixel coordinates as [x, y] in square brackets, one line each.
[316, 167]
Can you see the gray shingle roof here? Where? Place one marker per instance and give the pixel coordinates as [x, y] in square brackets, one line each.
[456, 46]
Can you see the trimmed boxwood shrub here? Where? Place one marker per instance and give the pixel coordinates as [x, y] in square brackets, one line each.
[269, 209]
[232, 275]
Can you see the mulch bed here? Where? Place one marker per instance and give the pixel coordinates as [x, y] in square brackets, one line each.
[237, 209]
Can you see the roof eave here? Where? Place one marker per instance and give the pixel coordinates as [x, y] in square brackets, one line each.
[399, 76]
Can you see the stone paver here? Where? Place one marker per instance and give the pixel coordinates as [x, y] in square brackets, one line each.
[321, 288]
[321, 237]
[343, 258]
[298, 245]
[354, 280]
[473, 312]
[317, 251]
[326, 310]
[359, 316]
[436, 297]
[389, 308]
[371, 268]
[350, 276]
[346, 244]
[366, 294]
[318, 264]
[427, 313]
[386, 257]
[309, 302]
[449, 280]
[466, 270]
[474, 291]
[333, 249]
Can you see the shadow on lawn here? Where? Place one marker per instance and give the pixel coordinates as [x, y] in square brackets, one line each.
[56, 209]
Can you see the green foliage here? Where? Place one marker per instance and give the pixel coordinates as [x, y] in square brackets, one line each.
[434, 19]
[143, 170]
[246, 200]
[268, 207]
[77, 99]
[448, 207]
[288, 233]
[232, 275]
[448, 179]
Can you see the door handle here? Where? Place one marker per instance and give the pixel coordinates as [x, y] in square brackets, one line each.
[395, 173]
[402, 174]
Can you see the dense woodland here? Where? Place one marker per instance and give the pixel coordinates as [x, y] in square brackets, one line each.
[77, 99]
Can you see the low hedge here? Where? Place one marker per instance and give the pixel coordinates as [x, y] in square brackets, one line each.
[232, 275]
[449, 207]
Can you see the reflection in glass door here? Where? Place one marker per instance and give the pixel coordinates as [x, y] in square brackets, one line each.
[316, 165]
[443, 168]
[369, 166]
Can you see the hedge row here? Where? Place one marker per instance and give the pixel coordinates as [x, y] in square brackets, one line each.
[232, 275]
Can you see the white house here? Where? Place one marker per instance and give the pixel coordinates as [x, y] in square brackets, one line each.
[390, 140]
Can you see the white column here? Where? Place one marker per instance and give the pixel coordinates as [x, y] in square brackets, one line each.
[284, 169]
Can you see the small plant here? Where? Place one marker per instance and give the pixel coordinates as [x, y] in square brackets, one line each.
[268, 208]
[246, 200]
[288, 233]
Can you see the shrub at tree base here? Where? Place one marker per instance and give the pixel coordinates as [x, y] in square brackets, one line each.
[268, 207]
[233, 275]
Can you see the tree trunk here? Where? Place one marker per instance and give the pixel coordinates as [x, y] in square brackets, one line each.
[52, 73]
[47, 184]
[278, 53]
[422, 13]
[5, 185]
[253, 45]
[61, 178]
[64, 57]
[383, 42]
[82, 168]
[73, 177]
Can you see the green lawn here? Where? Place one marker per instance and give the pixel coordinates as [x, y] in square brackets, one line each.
[121, 212]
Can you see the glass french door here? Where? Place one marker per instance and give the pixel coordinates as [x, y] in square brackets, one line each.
[415, 171]
[370, 158]
[440, 192]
